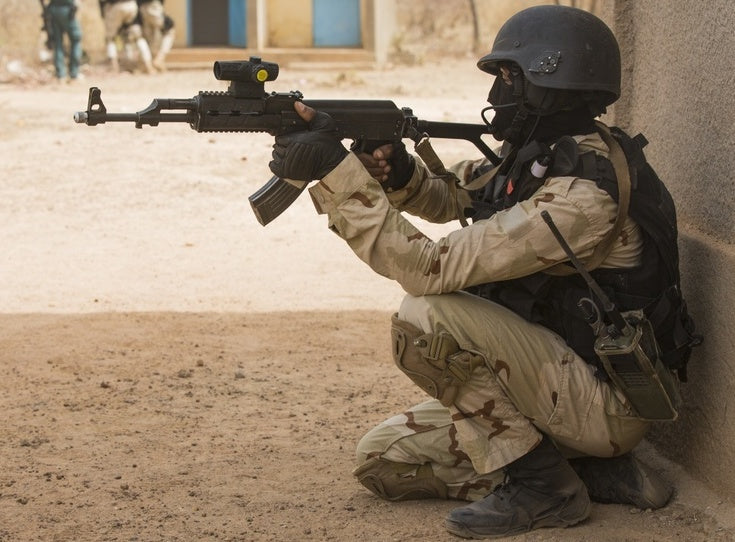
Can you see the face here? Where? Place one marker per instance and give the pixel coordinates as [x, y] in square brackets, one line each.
[502, 90]
[504, 96]
[505, 74]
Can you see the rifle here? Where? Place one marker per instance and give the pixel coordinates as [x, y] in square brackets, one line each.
[246, 107]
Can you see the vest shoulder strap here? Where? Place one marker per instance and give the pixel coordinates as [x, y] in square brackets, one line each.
[622, 174]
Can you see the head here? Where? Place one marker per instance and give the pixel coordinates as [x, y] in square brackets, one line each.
[556, 68]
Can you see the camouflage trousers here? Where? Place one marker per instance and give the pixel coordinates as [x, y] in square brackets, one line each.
[531, 383]
[118, 14]
[151, 14]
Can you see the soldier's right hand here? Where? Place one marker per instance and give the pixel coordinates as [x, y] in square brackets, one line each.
[390, 165]
[376, 163]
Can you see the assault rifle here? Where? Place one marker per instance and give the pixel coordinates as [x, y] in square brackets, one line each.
[246, 107]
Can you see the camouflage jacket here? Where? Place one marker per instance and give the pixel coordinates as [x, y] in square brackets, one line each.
[512, 243]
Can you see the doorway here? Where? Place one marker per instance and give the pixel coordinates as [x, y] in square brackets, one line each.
[218, 23]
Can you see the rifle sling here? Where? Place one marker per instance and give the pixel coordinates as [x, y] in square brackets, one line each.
[427, 153]
[622, 174]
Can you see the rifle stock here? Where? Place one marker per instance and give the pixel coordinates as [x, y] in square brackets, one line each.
[246, 107]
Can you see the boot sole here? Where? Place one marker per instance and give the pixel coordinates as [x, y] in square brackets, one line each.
[548, 521]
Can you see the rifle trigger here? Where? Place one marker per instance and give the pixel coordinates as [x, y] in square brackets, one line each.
[358, 145]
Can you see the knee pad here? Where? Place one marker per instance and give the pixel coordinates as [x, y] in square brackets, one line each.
[400, 481]
[434, 361]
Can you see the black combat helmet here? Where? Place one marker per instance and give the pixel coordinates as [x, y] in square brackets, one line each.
[562, 48]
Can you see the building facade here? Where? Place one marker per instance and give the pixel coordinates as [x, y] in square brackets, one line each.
[268, 25]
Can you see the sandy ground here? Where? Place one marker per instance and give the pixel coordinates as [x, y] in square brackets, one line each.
[171, 370]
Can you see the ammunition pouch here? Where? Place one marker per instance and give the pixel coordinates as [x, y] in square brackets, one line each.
[433, 361]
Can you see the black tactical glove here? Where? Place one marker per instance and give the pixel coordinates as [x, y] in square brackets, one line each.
[305, 156]
[402, 166]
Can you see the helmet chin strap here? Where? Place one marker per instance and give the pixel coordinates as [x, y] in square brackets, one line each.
[531, 105]
[514, 131]
[484, 111]
[505, 129]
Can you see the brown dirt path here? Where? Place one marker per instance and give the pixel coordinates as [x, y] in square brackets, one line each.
[170, 370]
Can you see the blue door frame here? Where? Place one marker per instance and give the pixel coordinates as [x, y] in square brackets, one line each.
[336, 23]
[238, 23]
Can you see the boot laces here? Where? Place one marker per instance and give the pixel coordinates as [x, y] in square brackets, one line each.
[504, 489]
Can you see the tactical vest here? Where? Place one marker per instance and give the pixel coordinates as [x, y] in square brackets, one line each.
[653, 286]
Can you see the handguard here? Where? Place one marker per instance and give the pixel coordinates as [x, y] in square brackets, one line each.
[433, 361]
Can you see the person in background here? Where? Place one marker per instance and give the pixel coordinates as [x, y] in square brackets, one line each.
[158, 30]
[60, 17]
[117, 14]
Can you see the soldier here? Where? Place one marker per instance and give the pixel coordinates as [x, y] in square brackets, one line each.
[63, 22]
[158, 30]
[116, 15]
[523, 420]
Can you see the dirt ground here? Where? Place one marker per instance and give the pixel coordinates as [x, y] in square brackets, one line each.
[171, 370]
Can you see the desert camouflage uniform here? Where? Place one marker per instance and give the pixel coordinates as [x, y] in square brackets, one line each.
[122, 15]
[531, 380]
[158, 30]
[151, 13]
[117, 14]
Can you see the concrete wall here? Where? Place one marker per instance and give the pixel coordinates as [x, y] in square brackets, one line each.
[679, 81]
[176, 9]
[288, 23]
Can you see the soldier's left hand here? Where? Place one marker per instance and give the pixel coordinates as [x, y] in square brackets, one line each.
[309, 155]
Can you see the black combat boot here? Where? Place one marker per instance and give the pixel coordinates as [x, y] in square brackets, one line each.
[540, 490]
[622, 480]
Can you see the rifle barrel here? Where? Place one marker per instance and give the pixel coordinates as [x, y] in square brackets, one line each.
[84, 117]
